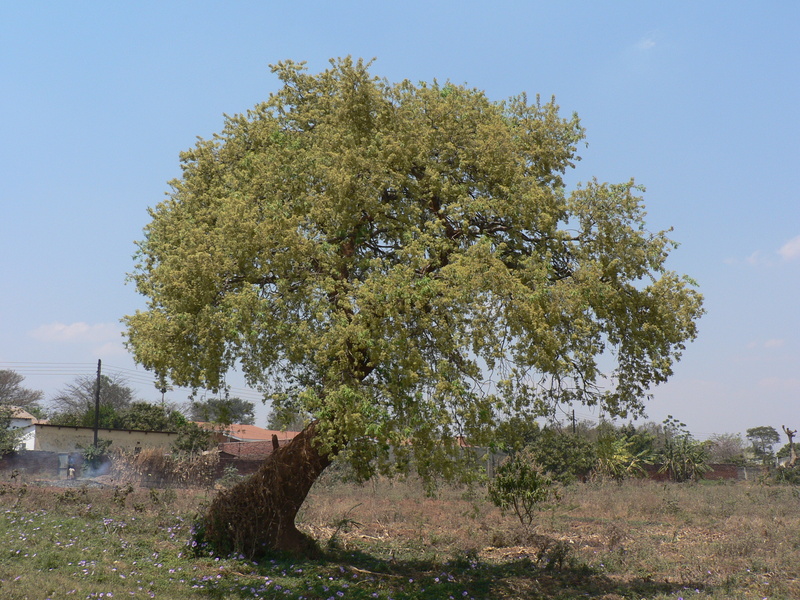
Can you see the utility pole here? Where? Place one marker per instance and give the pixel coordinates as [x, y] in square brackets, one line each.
[97, 403]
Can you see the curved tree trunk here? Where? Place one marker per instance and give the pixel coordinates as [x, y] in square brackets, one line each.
[257, 515]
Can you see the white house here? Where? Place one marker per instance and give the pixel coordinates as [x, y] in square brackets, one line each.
[22, 419]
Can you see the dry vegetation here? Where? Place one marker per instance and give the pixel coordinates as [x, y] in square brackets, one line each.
[641, 539]
[154, 466]
[385, 539]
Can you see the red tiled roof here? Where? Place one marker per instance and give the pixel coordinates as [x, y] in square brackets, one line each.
[249, 433]
[252, 450]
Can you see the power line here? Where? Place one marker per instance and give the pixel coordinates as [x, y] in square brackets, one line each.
[134, 376]
[43, 368]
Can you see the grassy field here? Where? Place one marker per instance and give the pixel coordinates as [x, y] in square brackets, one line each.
[386, 540]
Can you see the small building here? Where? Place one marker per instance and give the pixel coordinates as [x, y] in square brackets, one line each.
[25, 421]
[58, 449]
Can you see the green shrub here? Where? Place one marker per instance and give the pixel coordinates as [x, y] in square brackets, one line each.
[521, 486]
[616, 458]
[563, 456]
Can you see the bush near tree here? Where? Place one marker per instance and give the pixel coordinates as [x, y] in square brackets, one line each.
[682, 457]
[10, 439]
[192, 439]
[521, 486]
[564, 457]
[617, 458]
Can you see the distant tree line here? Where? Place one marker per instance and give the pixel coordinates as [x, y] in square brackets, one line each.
[605, 449]
[119, 408]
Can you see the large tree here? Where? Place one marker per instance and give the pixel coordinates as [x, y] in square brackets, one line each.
[763, 438]
[75, 403]
[401, 262]
[12, 393]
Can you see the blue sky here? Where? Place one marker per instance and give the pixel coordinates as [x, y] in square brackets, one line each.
[696, 100]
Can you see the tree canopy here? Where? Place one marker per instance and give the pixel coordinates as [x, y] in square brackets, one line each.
[403, 263]
[74, 405]
[77, 398]
[223, 410]
[12, 393]
[763, 438]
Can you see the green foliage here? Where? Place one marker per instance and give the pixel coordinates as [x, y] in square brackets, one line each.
[521, 486]
[787, 475]
[617, 459]
[683, 458]
[515, 433]
[563, 456]
[286, 418]
[785, 451]
[230, 477]
[94, 456]
[224, 411]
[763, 438]
[135, 415]
[642, 441]
[192, 439]
[107, 416]
[9, 438]
[149, 417]
[365, 249]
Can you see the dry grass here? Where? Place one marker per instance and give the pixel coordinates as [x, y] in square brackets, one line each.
[642, 539]
[603, 541]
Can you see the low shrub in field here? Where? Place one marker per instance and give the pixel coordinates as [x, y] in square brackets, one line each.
[520, 486]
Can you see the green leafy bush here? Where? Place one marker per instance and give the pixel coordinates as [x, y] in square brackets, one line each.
[521, 486]
[616, 458]
[683, 458]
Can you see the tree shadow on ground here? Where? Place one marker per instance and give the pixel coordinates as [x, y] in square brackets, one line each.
[472, 579]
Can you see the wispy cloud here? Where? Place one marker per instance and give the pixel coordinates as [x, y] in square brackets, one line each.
[767, 344]
[780, 384]
[76, 332]
[774, 343]
[756, 259]
[788, 251]
[111, 350]
[646, 43]
[791, 249]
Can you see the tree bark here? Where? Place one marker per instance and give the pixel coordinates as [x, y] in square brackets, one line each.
[257, 515]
